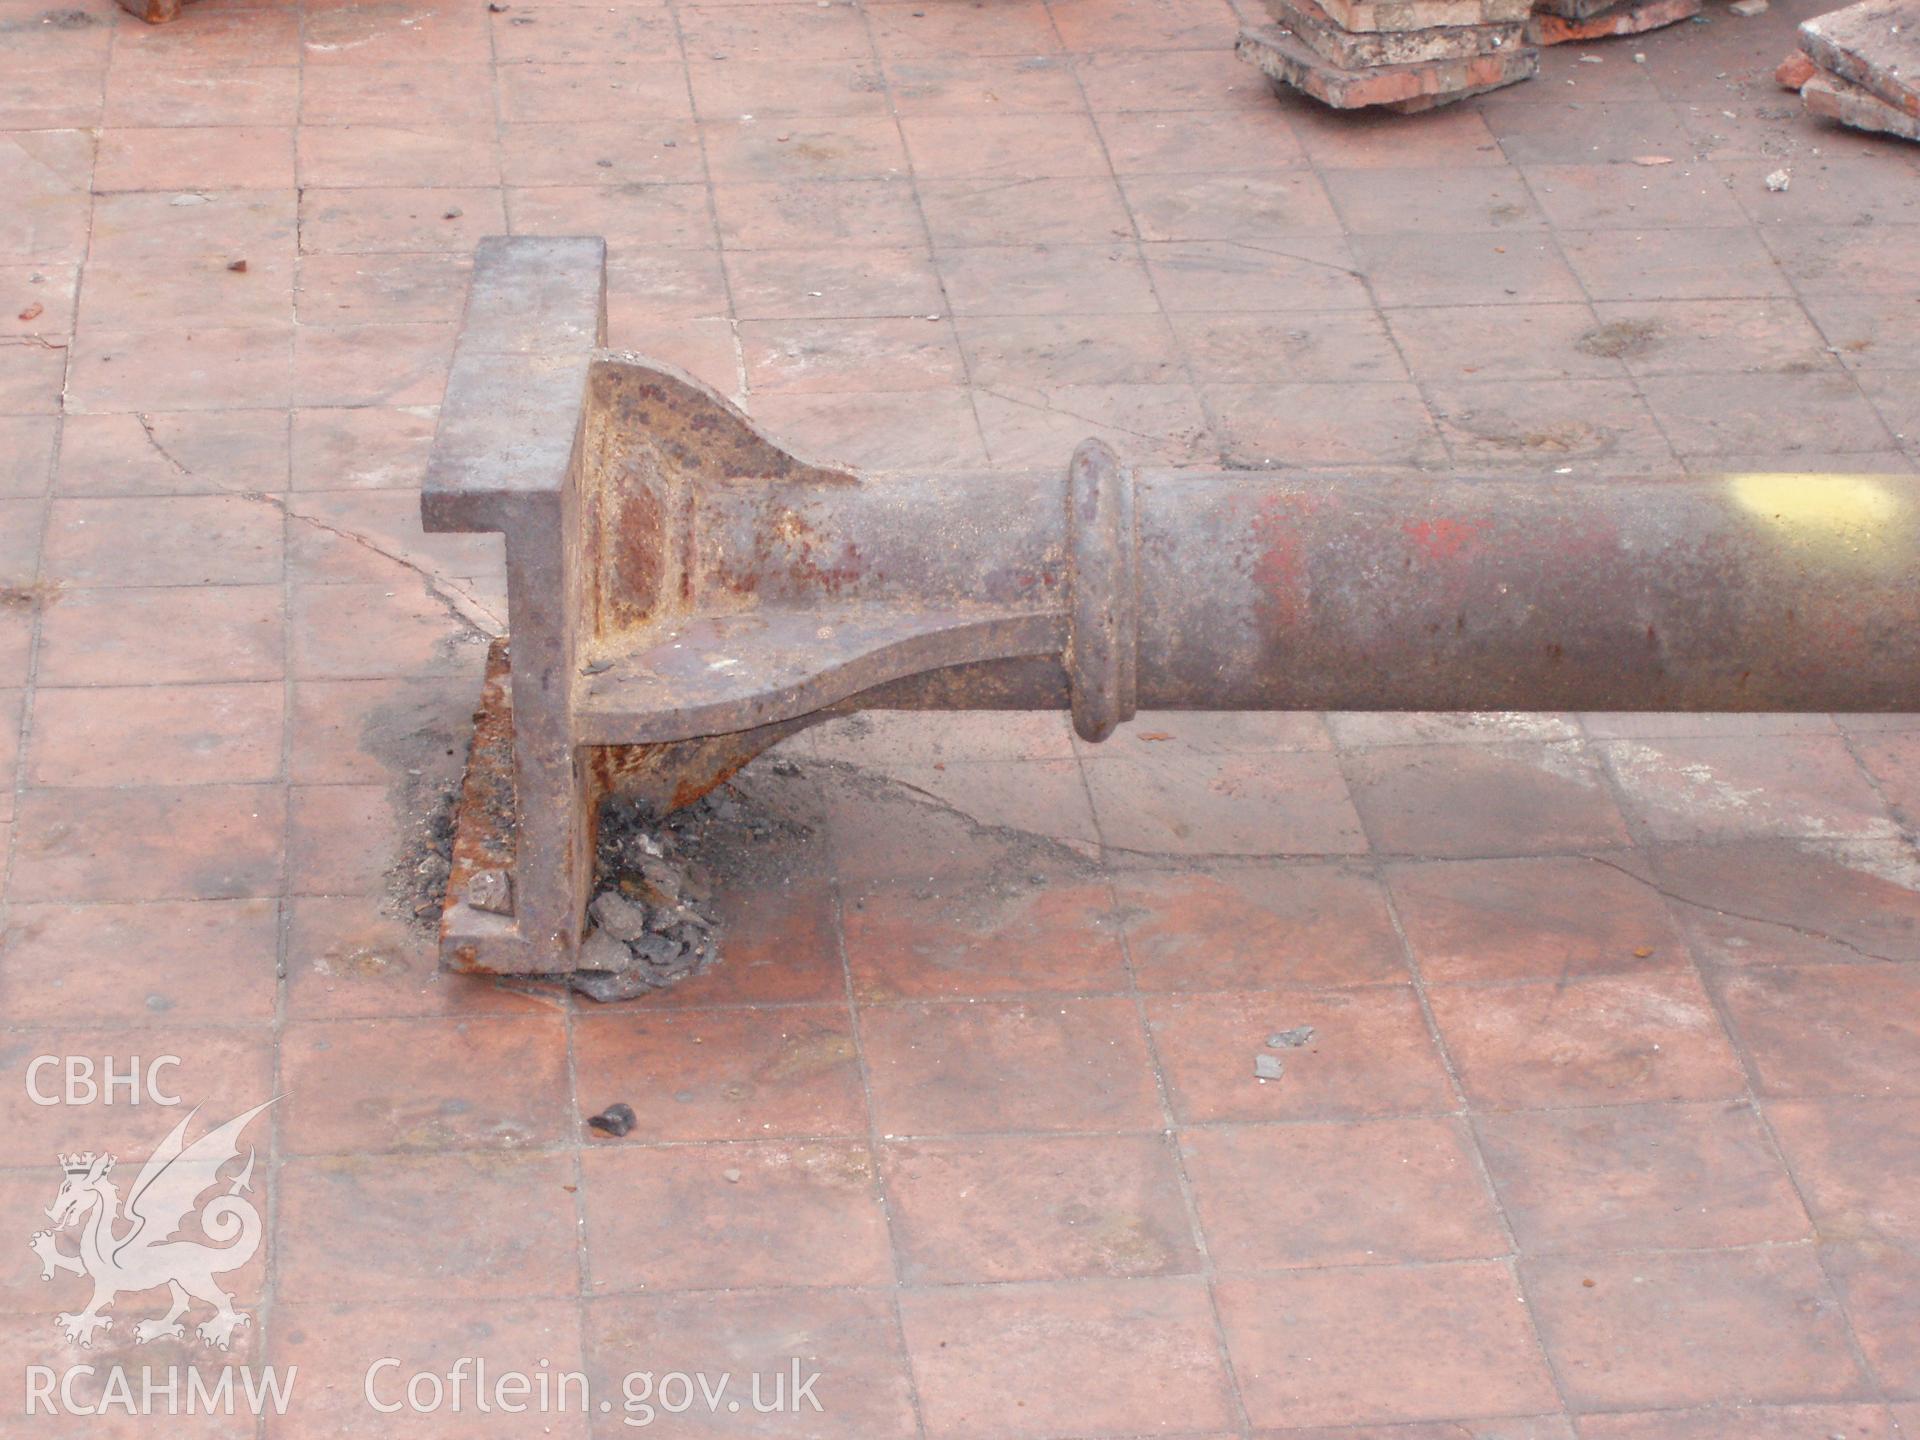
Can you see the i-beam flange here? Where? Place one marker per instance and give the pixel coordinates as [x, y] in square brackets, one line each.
[683, 592]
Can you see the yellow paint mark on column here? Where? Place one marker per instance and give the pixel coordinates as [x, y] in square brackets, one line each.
[1814, 507]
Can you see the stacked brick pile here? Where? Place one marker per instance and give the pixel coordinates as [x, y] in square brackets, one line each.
[1555, 22]
[1861, 66]
[1402, 54]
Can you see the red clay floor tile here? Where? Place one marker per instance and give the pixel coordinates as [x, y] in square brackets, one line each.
[151, 842]
[157, 735]
[1532, 919]
[851, 1338]
[154, 637]
[1757, 1422]
[1483, 800]
[1774, 902]
[1370, 1055]
[1637, 1331]
[960, 1067]
[1025, 937]
[998, 1208]
[1254, 928]
[515, 1237]
[1640, 1177]
[226, 1066]
[1044, 1359]
[200, 960]
[1880, 1286]
[1288, 804]
[1380, 1344]
[383, 1086]
[724, 1074]
[1290, 1197]
[183, 540]
[334, 1344]
[1602, 1040]
[1712, 789]
[706, 1217]
[1827, 1030]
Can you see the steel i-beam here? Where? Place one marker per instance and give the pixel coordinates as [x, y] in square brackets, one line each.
[683, 592]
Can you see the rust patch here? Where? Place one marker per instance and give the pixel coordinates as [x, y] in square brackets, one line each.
[639, 555]
[482, 825]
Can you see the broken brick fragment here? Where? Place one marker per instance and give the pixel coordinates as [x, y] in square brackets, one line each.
[1630, 19]
[1795, 70]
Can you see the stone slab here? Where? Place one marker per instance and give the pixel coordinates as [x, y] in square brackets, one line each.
[1352, 50]
[1633, 19]
[1382, 16]
[1835, 99]
[1287, 60]
[1875, 44]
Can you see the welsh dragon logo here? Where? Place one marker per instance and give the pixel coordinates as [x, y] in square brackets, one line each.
[126, 1251]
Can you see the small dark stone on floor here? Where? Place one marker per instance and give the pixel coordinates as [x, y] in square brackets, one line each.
[616, 1120]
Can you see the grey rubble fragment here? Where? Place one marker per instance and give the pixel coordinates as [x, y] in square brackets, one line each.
[601, 952]
[619, 916]
[656, 950]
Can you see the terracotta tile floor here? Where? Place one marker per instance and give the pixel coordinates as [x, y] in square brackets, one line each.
[1610, 1122]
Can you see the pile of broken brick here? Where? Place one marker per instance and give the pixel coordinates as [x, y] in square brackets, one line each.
[1411, 55]
[1861, 66]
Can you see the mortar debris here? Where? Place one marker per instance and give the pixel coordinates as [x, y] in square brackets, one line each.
[654, 920]
[1620, 339]
[417, 883]
[414, 740]
[1290, 1039]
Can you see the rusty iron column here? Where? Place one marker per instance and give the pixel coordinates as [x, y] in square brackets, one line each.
[683, 592]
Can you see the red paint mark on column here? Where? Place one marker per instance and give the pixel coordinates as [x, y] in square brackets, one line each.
[1444, 539]
[1279, 568]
